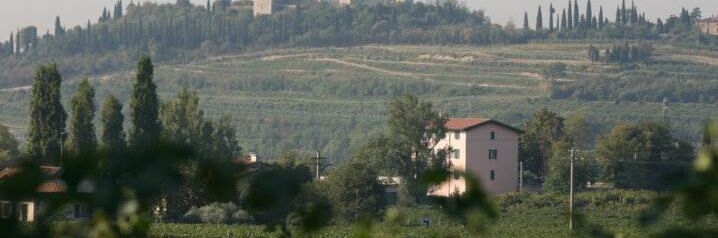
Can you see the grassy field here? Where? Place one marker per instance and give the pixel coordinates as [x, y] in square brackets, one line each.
[330, 99]
[521, 215]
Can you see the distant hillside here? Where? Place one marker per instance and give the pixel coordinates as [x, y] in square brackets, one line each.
[182, 32]
[331, 98]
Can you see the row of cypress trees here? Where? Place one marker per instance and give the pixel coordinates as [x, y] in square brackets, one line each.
[47, 136]
[572, 19]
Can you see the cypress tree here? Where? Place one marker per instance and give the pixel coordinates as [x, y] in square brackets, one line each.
[600, 18]
[563, 20]
[551, 11]
[526, 21]
[589, 14]
[82, 139]
[576, 15]
[594, 23]
[209, 6]
[88, 37]
[659, 25]
[624, 15]
[634, 13]
[118, 11]
[46, 131]
[17, 42]
[113, 135]
[59, 30]
[539, 20]
[12, 44]
[144, 107]
[570, 15]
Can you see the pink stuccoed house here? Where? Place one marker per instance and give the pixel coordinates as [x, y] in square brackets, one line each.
[487, 149]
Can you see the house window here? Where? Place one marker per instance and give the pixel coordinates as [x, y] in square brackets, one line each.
[457, 135]
[6, 209]
[81, 211]
[457, 153]
[23, 212]
[493, 154]
[493, 175]
[493, 135]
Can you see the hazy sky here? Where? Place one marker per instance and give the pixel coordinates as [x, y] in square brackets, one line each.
[41, 13]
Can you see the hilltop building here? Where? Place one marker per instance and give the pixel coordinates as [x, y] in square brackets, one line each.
[709, 26]
[269, 7]
[242, 6]
[368, 2]
[485, 148]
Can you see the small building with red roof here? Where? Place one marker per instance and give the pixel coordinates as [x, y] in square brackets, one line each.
[51, 186]
[485, 148]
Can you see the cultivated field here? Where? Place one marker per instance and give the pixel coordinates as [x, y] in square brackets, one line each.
[330, 99]
[520, 215]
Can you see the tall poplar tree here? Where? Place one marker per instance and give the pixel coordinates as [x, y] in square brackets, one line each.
[113, 135]
[82, 139]
[144, 107]
[46, 131]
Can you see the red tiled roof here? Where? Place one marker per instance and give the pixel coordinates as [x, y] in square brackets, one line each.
[47, 170]
[710, 19]
[462, 124]
[50, 186]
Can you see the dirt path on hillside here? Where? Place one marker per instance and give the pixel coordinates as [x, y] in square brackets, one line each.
[16, 89]
[281, 57]
[375, 69]
[410, 62]
[417, 76]
[697, 59]
[540, 78]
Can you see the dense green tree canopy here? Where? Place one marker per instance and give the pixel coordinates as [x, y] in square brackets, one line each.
[144, 107]
[46, 132]
[535, 144]
[8, 144]
[112, 132]
[355, 191]
[643, 156]
[82, 138]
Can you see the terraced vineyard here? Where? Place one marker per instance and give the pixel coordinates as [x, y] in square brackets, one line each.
[329, 99]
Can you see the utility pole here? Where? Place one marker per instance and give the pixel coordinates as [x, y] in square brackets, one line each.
[570, 196]
[521, 176]
[318, 163]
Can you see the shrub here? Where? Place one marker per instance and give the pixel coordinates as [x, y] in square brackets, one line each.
[218, 213]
